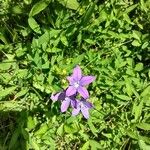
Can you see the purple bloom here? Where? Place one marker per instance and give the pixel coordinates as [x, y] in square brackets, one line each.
[77, 82]
[82, 106]
[66, 100]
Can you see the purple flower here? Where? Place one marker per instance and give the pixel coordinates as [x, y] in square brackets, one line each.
[82, 106]
[66, 101]
[77, 82]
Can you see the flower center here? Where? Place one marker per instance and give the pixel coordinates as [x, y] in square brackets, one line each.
[76, 84]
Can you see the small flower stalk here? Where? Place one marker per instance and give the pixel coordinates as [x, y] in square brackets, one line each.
[77, 86]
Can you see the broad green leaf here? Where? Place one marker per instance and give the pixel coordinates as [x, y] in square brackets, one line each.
[146, 92]
[137, 35]
[85, 146]
[38, 7]
[17, 9]
[123, 97]
[72, 128]
[53, 50]
[44, 38]
[78, 59]
[44, 127]
[34, 25]
[130, 8]
[5, 65]
[139, 67]
[143, 145]
[60, 130]
[92, 127]
[144, 138]
[95, 145]
[30, 123]
[143, 5]
[129, 87]
[145, 45]
[87, 15]
[64, 40]
[127, 18]
[21, 93]
[7, 91]
[144, 126]
[15, 106]
[71, 4]
[131, 134]
[27, 2]
[34, 144]
[136, 43]
[22, 73]
[137, 110]
[3, 38]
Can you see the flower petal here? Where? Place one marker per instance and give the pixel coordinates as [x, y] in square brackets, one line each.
[77, 73]
[62, 95]
[75, 111]
[71, 80]
[85, 111]
[84, 92]
[88, 104]
[54, 97]
[70, 91]
[65, 104]
[87, 80]
[73, 103]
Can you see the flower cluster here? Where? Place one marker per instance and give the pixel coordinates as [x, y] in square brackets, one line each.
[68, 97]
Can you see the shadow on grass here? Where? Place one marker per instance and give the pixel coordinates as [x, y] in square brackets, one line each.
[12, 130]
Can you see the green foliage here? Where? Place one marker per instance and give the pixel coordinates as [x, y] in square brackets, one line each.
[42, 41]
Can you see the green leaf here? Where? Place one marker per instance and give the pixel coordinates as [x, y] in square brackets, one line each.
[34, 25]
[11, 106]
[71, 128]
[137, 110]
[38, 7]
[129, 87]
[85, 146]
[71, 4]
[30, 123]
[64, 40]
[7, 91]
[135, 43]
[17, 9]
[3, 38]
[44, 39]
[144, 126]
[130, 8]
[21, 93]
[5, 65]
[143, 145]
[34, 144]
[139, 67]
[87, 15]
[146, 92]
[95, 145]
[60, 130]
[145, 45]
[137, 35]
[123, 97]
[92, 127]
[44, 127]
[145, 139]
[131, 134]
[53, 50]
